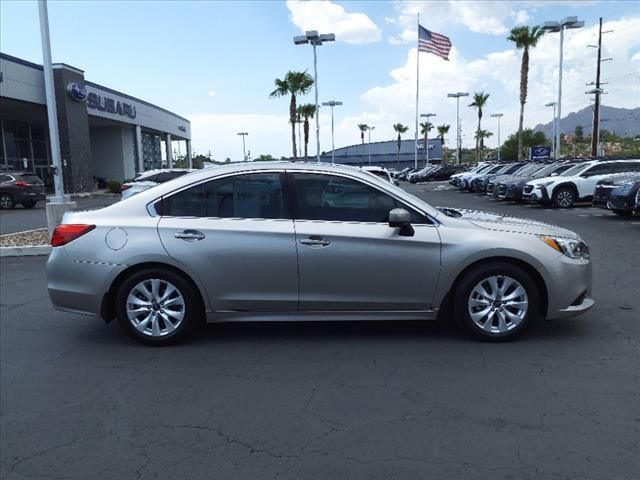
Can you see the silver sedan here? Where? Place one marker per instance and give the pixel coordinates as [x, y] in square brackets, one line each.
[297, 241]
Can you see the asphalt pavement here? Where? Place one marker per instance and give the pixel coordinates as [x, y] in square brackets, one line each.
[20, 219]
[387, 400]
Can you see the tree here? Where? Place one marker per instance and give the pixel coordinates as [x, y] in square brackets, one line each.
[479, 101]
[442, 131]
[294, 84]
[399, 129]
[306, 111]
[509, 149]
[425, 128]
[525, 38]
[264, 158]
[579, 132]
[480, 136]
[363, 127]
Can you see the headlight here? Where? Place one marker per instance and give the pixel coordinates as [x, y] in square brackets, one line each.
[624, 187]
[571, 248]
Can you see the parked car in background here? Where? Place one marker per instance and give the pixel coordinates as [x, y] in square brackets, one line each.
[299, 241]
[636, 209]
[480, 182]
[151, 178]
[456, 177]
[466, 179]
[418, 175]
[442, 173]
[575, 184]
[380, 172]
[22, 188]
[512, 189]
[522, 172]
[617, 193]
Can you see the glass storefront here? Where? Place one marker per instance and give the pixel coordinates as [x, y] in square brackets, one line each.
[151, 151]
[25, 146]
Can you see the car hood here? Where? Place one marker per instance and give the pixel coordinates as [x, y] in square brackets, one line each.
[504, 223]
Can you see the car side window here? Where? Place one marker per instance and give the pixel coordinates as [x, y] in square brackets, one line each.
[334, 198]
[5, 178]
[257, 195]
[166, 176]
[627, 167]
[602, 169]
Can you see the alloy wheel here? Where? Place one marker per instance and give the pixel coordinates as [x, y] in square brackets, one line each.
[6, 201]
[564, 198]
[498, 304]
[155, 307]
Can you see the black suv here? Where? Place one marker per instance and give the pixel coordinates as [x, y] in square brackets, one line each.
[20, 187]
[617, 193]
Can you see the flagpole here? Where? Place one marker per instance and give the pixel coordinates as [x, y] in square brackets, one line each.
[415, 143]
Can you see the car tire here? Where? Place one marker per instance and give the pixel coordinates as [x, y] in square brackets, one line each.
[168, 307]
[29, 204]
[7, 201]
[564, 197]
[480, 307]
[622, 213]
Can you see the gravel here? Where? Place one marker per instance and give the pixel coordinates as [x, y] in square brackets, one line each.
[37, 237]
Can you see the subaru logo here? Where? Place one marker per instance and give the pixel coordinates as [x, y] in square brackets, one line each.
[77, 91]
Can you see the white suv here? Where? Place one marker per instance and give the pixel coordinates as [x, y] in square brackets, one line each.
[575, 184]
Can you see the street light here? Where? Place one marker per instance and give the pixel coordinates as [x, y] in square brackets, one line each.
[369, 130]
[426, 138]
[331, 104]
[597, 92]
[498, 116]
[568, 22]
[556, 150]
[244, 152]
[459, 140]
[315, 39]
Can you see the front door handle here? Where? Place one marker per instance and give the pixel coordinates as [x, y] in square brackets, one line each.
[315, 241]
[190, 235]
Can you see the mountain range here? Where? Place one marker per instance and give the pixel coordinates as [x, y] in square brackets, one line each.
[624, 122]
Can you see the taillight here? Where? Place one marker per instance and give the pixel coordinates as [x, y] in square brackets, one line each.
[124, 186]
[20, 183]
[66, 233]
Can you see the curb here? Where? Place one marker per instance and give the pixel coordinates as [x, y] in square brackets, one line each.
[26, 251]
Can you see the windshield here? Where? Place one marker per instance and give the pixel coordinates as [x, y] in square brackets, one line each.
[574, 170]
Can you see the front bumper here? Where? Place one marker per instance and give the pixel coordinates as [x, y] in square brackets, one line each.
[538, 195]
[569, 287]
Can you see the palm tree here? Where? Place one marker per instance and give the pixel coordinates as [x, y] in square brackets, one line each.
[306, 111]
[363, 128]
[480, 136]
[442, 131]
[425, 127]
[399, 129]
[525, 38]
[479, 101]
[294, 84]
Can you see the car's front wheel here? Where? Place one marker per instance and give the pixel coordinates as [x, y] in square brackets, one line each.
[564, 198]
[496, 301]
[157, 307]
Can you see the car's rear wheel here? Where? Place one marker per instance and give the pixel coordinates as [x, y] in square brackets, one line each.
[564, 198]
[157, 307]
[622, 213]
[7, 201]
[29, 204]
[496, 302]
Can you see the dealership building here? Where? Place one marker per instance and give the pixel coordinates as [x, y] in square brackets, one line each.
[385, 154]
[103, 133]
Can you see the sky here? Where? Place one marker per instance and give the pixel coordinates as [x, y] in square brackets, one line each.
[215, 62]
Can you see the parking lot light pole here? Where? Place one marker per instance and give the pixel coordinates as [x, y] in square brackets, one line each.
[369, 131]
[316, 40]
[426, 139]
[555, 151]
[458, 132]
[498, 116]
[244, 151]
[568, 22]
[332, 104]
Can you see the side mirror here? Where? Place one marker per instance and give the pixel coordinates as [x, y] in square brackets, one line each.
[554, 174]
[400, 218]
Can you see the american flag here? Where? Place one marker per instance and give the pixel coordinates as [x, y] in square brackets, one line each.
[433, 42]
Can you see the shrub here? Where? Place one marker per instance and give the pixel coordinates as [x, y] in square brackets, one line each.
[113, 186]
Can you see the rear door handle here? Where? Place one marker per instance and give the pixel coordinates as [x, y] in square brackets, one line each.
[315, 241]
[190, 235]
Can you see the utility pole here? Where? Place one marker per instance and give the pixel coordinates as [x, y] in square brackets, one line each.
[595, 129]
[332, 104]
[458, 125]
[244, 151]
[369, 131]
[498, 116]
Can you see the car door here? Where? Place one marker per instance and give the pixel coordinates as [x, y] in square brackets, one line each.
[588, 179]
[349, 259]
[236, 235]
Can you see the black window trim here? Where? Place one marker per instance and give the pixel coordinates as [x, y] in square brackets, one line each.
[291, 189]
[153, 211]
